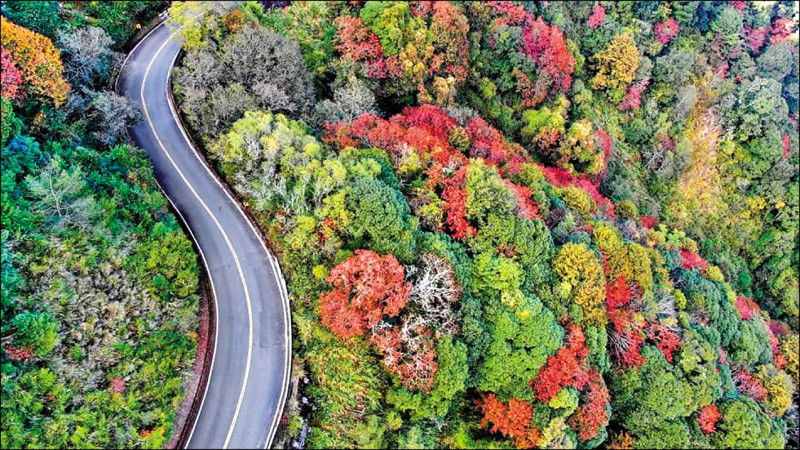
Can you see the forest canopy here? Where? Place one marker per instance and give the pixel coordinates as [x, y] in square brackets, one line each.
[502, 224]
[99, 282]
[531, 224]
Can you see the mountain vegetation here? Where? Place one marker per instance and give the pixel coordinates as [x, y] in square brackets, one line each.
[530, 224]
[99, 282]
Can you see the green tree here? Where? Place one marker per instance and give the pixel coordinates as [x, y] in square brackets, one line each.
[382, 219]
[36, 330]
[745, 425]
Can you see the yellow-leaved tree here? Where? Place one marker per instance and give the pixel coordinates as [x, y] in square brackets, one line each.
[38, 60]
[616, 65]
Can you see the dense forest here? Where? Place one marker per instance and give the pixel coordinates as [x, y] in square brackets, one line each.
[502, 224]
[99, 282]
[518, 224]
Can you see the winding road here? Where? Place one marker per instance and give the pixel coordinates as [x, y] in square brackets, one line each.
[248, 380]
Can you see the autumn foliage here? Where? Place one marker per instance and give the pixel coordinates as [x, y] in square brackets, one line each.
[408, 352]
[625, 337]
[564, 369]
[597, 17]
[708, 418]
[534, 160]
[691, 260]
[666, 31]
[38, 61]
[367, 286]
[749, 385]
[665, 339]
[455, 207]
[746, 307]
[512, 420]
[593, 415]
[10, 76]
[546, 46]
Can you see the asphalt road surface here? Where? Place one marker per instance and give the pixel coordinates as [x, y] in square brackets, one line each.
[249, 376]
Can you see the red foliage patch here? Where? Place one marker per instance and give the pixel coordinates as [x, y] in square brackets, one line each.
[666, 340]
[747, 384]
[512, 420]
[10, 76]
[356, 40]
[781, 30]
[597, 17]
[708, 418]
[747, 308]
[691, 260]
[666, 31]
[526, 207]
[22, 353]
[594, 413]
[779, 328]
[786, 145]
[649, 222]
[489, 144]
[117, 385]
[562, 178]
[625, 338]
[618, 294]
[426, 129]
[548, 49]
[755, 38]
[367, 287]
[455, 207]
[566, 368]
[633, 97]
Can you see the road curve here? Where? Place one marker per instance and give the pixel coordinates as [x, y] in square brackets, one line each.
[249, 374]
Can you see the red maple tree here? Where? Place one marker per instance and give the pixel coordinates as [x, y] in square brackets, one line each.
[708, 418]
[749, 385]
[665, 339]
[22, 353]
[747, 308]
[666, 31]
[566, 368]
[117, 385]
[633, 97]
[548, 49]
[10, 76]
[755, 38]
[367, 286]
[512, 420]
[597, 17]
[691, 260]
[455, 207]
[593, 414]
[625, 338]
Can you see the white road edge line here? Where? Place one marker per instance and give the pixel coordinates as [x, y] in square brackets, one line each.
[194, 238]
[221, 230]
[278, 274]
[273, 262]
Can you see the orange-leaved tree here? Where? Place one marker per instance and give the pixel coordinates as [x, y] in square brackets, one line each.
[38, 60]
[367, 286]
[512, 420]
